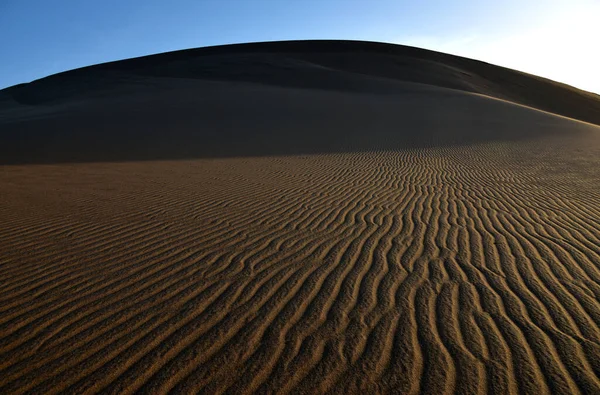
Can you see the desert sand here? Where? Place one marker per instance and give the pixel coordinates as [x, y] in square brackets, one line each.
[299, 217]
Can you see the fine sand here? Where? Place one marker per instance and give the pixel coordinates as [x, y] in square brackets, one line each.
[299, 217]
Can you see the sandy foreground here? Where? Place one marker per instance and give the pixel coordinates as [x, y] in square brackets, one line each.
[356, 233]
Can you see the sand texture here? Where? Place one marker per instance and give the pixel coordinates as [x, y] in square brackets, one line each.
[300, 217]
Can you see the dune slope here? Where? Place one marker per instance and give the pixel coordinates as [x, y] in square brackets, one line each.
[301, 224]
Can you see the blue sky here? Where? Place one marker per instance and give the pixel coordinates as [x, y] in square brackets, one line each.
[553, 38]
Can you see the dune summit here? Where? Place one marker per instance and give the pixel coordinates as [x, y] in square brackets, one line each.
[299, 217]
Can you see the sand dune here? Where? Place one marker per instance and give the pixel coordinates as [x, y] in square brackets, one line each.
[309, 217]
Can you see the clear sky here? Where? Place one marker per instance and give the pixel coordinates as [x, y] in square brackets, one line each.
[558, 39]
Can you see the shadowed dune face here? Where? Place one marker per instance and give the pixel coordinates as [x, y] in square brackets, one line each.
[184, 119]
[318, 64]
[284, 98]
[322, 230]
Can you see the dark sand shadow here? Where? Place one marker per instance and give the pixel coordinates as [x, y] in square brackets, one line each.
[289, 98]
